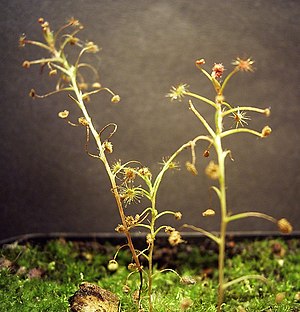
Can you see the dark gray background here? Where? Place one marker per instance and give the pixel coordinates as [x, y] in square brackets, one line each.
[48, 183]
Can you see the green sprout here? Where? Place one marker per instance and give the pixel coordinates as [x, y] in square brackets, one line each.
[215, 169]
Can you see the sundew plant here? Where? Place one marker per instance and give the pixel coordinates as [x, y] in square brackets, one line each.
[215, 170]
[70, 79]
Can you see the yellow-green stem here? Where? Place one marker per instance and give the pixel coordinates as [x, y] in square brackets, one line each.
[107, 167]
[222, 187]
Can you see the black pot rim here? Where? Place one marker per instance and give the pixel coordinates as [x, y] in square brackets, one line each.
[118, 238]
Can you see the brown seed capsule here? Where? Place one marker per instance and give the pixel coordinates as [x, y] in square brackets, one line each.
[206, 153]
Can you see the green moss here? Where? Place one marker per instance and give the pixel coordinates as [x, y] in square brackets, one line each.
[64, 265]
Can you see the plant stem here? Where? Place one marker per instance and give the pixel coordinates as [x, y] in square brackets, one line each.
[110, 174]
[222, 197]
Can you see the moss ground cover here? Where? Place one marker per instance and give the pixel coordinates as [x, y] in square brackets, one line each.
[41, 277]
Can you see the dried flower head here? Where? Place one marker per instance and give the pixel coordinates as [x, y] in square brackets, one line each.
[217, 70]
[284, 226]
[175, 238]
[149, 239]
[129, 174]
[191, 168]
[91, 47]
[187, 280]
[178, 215]
[240, 118]
[126, 289]
[120, 228]
[82, 121]
[107, 146]
[116, 167]
[200, 62]
[186, 303]
[177, 93]
[243, 65]
[64, 114]
[169, 229]
[266, 131]
[144, 171]
[212, 170]
[132, 266]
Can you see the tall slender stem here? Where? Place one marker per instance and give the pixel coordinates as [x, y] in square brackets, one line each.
[222, 187]
[107, 167]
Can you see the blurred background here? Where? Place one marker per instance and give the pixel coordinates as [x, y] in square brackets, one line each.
[49, 184]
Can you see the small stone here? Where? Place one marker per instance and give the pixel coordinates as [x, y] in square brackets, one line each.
[92, 298]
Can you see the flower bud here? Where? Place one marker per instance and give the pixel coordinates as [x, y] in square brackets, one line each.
[208, 213]
[115, 99]
[112, 265]
[266, 131]
[64, 114]
[284, 226]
